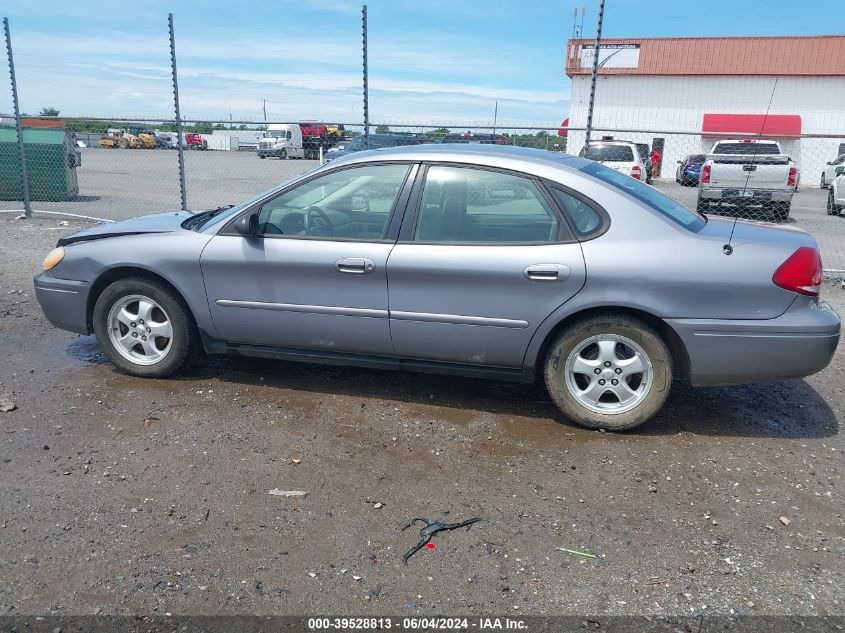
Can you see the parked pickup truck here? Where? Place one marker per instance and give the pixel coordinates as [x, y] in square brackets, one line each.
[747, 174]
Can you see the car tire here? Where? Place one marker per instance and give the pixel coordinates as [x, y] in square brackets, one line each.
[283, 155]
[166, 312]
[701, 206]
[823, 183]
[623, 340]
[832, 208]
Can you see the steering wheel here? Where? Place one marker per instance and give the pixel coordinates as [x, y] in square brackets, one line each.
[316, 222]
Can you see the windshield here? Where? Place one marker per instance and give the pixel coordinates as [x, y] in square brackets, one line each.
[650, 196]
[610, 153]
[212, 220]
[746, 149]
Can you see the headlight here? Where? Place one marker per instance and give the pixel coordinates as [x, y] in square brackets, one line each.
[54, 257]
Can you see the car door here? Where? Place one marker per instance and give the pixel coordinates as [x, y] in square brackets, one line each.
[314, 276]
[479, 265]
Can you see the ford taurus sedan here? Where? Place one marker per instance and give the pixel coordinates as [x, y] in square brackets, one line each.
[479, 260]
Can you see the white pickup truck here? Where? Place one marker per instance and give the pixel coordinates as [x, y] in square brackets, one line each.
[748, 175]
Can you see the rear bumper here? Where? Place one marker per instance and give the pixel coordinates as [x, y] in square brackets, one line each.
[63, 301]
[800, 342]
[732, 196]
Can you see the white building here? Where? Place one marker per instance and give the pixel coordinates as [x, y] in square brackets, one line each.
[682, 94]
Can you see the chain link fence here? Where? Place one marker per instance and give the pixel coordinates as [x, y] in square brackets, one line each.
[123, 166]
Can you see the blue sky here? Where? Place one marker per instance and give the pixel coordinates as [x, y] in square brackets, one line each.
[431, 61]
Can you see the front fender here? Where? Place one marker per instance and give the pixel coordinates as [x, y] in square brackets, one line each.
[172, 256]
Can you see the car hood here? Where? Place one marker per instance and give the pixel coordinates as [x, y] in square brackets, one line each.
[156, 223]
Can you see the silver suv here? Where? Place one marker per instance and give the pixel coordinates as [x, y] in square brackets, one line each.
[623, 156]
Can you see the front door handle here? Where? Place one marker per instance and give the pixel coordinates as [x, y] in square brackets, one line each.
[355, 266]
[547, 272]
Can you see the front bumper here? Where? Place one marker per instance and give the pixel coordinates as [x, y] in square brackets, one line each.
[735, 196]
[800, 342]
[63, 301]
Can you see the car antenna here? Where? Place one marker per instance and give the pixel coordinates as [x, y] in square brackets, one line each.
[727, 249]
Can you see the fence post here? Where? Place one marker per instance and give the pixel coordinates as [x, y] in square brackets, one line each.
[27, 206]
[179, 143]
[366, 90]
[594, 76]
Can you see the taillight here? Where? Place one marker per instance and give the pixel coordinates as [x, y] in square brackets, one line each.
[792, 180]
[636, 172]
[705, 174]
[801, 273]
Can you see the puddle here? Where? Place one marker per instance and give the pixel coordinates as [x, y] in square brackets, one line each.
[84, 349]
[453, 415]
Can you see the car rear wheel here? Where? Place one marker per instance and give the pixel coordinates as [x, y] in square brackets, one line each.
[609, 372]
[832, 207]
[144, 328]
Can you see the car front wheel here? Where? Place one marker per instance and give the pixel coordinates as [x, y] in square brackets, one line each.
[609, 372]
[144, 328]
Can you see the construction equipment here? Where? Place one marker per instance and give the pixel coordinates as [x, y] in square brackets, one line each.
[121, 138]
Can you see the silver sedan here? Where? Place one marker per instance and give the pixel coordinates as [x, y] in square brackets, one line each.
[488, 261]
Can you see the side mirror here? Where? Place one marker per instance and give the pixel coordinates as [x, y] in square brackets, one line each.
[247, 225]
[829, 163]
[840, 170]
[679, 162]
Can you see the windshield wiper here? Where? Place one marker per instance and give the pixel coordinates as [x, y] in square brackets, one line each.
[199, 219]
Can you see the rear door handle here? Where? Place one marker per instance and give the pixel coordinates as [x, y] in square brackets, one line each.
[547, 272]
[355, 266]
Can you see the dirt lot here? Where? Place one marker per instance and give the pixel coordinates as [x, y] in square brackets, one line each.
[122, 495]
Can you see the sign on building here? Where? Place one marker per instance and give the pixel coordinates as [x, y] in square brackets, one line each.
[611, 55]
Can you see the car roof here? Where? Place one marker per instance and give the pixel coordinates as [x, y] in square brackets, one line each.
[466, 153]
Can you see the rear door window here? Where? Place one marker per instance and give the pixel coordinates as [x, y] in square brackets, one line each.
[746, 149]
[610, 153]
[473, 205]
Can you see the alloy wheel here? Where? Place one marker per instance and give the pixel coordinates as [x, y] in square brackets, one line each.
[609, 374]
[140, 329]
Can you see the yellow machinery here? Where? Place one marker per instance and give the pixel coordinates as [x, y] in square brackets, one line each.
[148, 141]
[122, 139]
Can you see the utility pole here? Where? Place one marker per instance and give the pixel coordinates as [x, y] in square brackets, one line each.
[264, 108]
[495, 116]
[366, 89]
[594, 75]
[27, 206]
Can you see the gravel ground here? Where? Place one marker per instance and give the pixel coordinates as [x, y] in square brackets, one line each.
[129, 496]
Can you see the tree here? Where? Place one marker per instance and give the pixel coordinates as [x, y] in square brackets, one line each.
[382, 129]
[202, 127]
[49, 112]
[439, 132]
